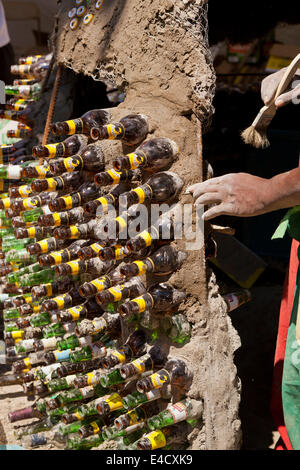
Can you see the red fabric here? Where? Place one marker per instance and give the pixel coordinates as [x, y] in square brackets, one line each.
[284, 321]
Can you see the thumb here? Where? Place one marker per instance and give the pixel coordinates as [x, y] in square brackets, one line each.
[290, 96]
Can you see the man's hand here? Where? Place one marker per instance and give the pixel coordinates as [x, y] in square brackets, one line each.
[270, 84]
[237, 194]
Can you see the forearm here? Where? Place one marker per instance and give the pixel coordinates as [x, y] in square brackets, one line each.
[283, 191]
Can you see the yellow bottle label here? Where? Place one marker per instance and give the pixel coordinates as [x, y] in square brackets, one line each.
[57, 256]
[142, 267]
[17, 334]
[140, 365]
[72, 127]
[79, 416]
[31, 232]
[133, 417]
[122, 223]
[52, 183]
[48, 290]
[116, 292]
[41, 170]
[90, 377]
[115, 175]
[27, 363]
[141, 194]
[96, 247]
[120, 355]
[72, 163]
[114, 131]
[114, 402]
[30, 203]
[158, 380]
[95, 427]
[104, 204]
[25, 190]
[60, 301]
[57, 219]
[75, 312]
[100, 283]
[44, 246]
[36, 308]
[157, 439]
[5, 201]
[68, 202]
[51, 149]
[141, 303]
[135, 160]
[74, 266]
[146, 236]
[28, 300]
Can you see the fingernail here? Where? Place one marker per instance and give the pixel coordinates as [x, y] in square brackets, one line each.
[278, 103]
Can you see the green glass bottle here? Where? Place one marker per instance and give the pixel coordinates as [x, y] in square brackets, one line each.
[73, 341]
[88, 409]
[184, 410]
[40, 277]
[79, 394]
[112, 378]
[77, 443]
[32, 268]
[11, 314]
[89, 429]
[32, 215]
[20, 255]
[42, 425]
[90, 351]
[59, 329]
[42, 319]
[64, 383]
[134, 399]
[177, 328]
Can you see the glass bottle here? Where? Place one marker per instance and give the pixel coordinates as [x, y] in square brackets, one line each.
[105, 178]
[91, 288]
[177, 328]
[86, 192]
[47, 245]
[184, 410]
[175, 372]
[236, 299]
[68, 147]
[153, 359]
[60, 302]
[164, 232]
[131, 129]
[134, 347]
[56, 219]
[129, 289]
[65, 182]
[82, 125]
[91, 158]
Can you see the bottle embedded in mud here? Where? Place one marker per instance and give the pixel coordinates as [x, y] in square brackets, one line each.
[177, 328]
[91, 429]
[67, 300]
[159, 298]
[86, 192]
[73, 342]
[67, 148]
[105, 178]
[108, 323]
[161, 187]
[164, 261]
[154, 154]
[47, 245]
[57, 287]
[36, 171]
[163, 231]
[93, 266]
[32, 232]
[157, 439]
[92, 351]
[68, 368]
[57, 219]
[153, 359]
[131, 129]
[29, 203]
[91, 288]
[82, 125]
[20, 191]
[91, 251]
[62, 256]
[139, 415]
[129, 289]
[66, 182]
[19, 133]
[91, 158]
[110, 404]
[175, 372]
[185, 410]
[103, 204]
[73, 232]
[134, 346]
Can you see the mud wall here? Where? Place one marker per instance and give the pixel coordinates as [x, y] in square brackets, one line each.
[156, 50]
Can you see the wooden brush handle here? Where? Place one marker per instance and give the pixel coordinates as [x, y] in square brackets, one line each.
[288, 75]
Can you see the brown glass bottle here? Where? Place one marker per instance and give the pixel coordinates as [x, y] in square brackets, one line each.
[19, 133]
[131, 129]
[108, 323]
[113, 177]
[162, 231]
[56, 219]
[46, 245]
[66, 182]
[20, 205]
[91, 158]
[57, 287]
[77, 367]
[91, 288]
[154, 154]
[82, 125]
[164, 261]
[86, 192]
[102, 204]
[153, 359]
[36, 171]
[20, 191]
[175, 372]
[62, 256]
[88, 309]
[115, 252]
[140, 414]
[92, 250]
[60, 302]
[134, 347]
[93, 266]
[73, 232]
[67, 148]
[32, 232]
[28, 309]
[159, 298]
[161, 187]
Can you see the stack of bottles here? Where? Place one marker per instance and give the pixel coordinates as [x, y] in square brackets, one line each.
[89, 314]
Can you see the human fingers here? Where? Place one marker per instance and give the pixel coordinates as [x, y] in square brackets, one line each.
[270, 84]
[208, 198]
[290, 96]
[215, 211]
[204, 185]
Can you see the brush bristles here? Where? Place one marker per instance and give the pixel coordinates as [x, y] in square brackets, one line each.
[256, 137]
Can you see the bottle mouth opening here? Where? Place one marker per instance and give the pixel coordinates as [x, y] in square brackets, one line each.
[95, 133]
[117, 165]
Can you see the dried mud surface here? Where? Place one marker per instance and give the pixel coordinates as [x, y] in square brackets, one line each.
[166, 76]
